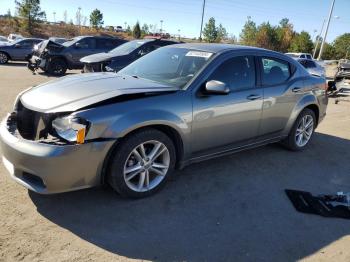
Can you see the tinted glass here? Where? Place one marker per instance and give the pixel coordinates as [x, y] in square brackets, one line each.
[87, 43]
[27, 43]
[105, 43]
[237, 73]
[308, 57]
[275, 71]
[171, 66]
[128, 47]
[308, 63]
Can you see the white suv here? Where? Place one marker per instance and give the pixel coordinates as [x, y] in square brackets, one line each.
[300, 55]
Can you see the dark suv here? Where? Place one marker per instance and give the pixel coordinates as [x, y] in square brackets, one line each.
[55, 58]
[123, 55]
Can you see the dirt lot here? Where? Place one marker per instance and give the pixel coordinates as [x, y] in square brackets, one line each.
[229, 209]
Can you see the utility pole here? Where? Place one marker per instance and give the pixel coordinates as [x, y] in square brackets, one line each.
[318, 38]
[325, 34]
[179, 33]
[200, 33]
[54, 17]
[161, 26]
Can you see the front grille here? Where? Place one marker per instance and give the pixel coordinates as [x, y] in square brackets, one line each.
[32, 125]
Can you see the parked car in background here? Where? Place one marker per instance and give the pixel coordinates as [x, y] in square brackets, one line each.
[300, 55]
[55, 58]
[312, 67]
[14, 37]
[177, 105]
[122, 55]
[3, 39]
[18, 50]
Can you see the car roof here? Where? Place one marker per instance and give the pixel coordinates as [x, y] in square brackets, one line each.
[217, 48]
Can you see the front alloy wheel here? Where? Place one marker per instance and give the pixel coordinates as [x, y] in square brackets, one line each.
[3, 58]
[146, 166]
[141, 163]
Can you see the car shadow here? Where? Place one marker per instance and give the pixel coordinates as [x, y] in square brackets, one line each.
[230, 208]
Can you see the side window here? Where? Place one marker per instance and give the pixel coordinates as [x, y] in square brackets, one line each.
[302, 56]
[237, 73]
[26, 44]
[308, 57]
[275, 71]
[105, 44]
[87, 43]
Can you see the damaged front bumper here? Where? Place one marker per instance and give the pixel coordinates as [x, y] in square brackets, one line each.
[35, 63]
[51, 168]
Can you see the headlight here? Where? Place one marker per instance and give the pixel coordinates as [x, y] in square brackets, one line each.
[71, 128]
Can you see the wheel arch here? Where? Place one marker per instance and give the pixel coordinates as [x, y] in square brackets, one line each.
[6, 53]
[170, 131]
[308, 101]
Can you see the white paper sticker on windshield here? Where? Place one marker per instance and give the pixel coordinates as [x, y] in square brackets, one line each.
[199, 54]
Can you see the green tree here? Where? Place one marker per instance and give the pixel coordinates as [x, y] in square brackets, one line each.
[128, 30]
[301, 43]
[145, 29]
[96, 18]
[31, 13]
[136, 32]
[342, 46]
[328, 51]
[210, 32]
[248, 34]
[266, 36]
[285, 34]
[222, 33]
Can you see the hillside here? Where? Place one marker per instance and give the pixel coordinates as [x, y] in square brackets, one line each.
[44, 30]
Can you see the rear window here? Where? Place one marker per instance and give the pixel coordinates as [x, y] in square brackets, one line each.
[307, 63]
[275, 71]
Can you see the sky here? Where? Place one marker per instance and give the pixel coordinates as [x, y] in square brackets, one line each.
[185, 15]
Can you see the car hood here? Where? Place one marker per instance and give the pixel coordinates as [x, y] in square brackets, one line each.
[97, 58]
[71, 93]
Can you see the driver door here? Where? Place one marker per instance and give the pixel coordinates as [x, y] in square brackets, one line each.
[224, 121]
[84, 47]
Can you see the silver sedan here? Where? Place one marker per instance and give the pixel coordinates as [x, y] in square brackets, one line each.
[175, 106]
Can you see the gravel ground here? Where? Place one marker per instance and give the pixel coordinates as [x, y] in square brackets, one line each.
[228, 209]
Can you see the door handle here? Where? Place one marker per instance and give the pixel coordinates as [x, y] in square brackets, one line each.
[296, 89]
[253, 97]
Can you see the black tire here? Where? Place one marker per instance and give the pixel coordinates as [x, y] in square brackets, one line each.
[290, 142]
[117, 162]
[4, 58]
[57, 67]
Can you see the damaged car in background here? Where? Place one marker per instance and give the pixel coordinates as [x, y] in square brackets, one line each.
[55, 58]
[122, 55]
[342, 77]
[175, 106]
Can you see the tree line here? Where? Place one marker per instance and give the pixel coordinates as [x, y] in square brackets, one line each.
[282, 38]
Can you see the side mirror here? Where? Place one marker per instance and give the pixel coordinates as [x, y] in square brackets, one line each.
[78, 45]
[216, 88]
[141, 53]
[17, 45]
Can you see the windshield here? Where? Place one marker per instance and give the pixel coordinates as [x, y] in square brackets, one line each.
[71, 41]
[128, 47]
[170, 65]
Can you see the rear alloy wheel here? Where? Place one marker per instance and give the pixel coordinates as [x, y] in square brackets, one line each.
[142, 163]
[57, 67]
[302, 131]
[3, 58]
